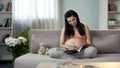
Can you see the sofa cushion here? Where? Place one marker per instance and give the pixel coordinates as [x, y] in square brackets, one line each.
[50, 41]
[107, 44]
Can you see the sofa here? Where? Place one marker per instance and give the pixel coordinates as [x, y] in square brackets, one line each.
[107, 43]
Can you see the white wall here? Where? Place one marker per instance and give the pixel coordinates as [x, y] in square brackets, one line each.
[103, 5]
[88, 11]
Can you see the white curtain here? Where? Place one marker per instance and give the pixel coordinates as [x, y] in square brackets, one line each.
[36, 14]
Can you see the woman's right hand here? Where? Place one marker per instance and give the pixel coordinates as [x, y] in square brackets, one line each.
[70, 47]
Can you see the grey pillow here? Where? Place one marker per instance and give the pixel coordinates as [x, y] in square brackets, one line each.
[107, 44]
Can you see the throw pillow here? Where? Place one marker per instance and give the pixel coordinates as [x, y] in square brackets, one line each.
[43, 50]
[107, 44]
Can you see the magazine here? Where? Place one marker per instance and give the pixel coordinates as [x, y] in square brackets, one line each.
[79, 49]
[73, 51]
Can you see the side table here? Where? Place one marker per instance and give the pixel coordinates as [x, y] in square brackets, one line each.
[6, 59]
[82, 64]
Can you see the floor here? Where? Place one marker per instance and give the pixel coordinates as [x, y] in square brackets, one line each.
[6, 64]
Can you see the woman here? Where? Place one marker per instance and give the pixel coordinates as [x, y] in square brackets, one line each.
[74, 29]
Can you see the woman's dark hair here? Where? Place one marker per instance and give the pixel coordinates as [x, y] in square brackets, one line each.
[69, 28]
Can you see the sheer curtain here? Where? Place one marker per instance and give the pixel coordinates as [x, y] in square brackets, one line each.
[36, 14]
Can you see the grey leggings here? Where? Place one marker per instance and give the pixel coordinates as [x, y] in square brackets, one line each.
[87, 52]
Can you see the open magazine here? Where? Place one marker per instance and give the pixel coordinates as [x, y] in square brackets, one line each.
[77, 50]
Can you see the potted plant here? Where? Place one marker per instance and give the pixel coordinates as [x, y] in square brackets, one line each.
[18, 44]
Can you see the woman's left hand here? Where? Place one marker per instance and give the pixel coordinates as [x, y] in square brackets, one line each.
[71, 47]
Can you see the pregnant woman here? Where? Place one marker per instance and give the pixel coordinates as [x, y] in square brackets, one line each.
[75, 39]
[76, 43]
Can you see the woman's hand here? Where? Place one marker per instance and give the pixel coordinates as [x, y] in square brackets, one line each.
[70, 47]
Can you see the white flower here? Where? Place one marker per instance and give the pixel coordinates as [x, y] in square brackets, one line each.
[10, 41]
[22, 39]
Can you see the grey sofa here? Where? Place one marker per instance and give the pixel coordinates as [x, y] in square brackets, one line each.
[106, 41]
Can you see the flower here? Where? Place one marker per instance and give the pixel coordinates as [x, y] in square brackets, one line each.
[12, 42]
[16, 45]
[22, 39]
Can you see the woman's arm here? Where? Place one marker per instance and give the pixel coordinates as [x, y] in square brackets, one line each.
[88, 38]
[62, 41]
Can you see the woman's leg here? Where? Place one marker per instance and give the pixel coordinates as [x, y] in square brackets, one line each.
[87, 52]
[90, 52]
[59, 53]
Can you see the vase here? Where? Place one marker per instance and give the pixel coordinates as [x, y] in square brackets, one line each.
[15, 55]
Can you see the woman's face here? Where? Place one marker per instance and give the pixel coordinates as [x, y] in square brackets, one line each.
[72, 20]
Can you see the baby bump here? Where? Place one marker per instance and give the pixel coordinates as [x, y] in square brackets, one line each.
[75, 41]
